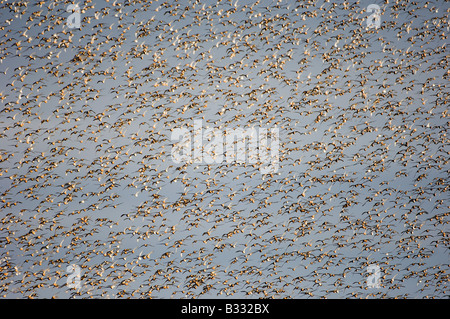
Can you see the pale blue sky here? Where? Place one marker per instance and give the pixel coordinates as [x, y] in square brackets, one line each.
[362, 118]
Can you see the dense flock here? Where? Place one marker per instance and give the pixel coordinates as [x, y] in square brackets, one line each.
[87, 178]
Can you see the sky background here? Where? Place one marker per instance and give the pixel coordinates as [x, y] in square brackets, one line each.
[87, 176]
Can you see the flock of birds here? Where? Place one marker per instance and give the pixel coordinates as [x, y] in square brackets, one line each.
[87, 179]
